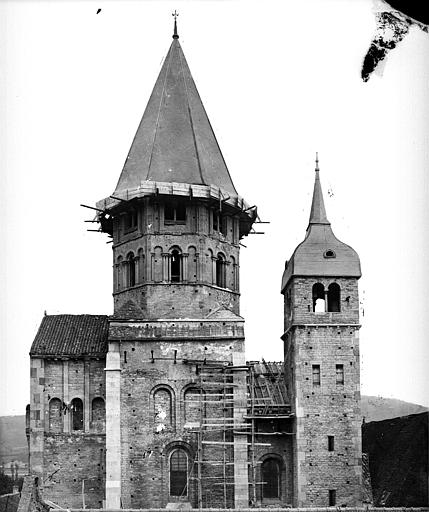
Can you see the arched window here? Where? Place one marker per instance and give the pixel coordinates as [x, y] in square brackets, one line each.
[271, 479]
[98, 413]
[162, 409]
[55, 415]
[194, 405]
[334, 296]
[178, 473]
[76, 412]
[175, 266]
[318, 298]
[131, 274]
[220, 271]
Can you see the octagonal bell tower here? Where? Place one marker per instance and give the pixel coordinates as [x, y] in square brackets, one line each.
[176, 221]
[321, 347]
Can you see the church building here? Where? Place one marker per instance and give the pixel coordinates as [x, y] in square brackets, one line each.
[156, 405]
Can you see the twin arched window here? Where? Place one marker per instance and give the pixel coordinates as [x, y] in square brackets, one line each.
[326, 300]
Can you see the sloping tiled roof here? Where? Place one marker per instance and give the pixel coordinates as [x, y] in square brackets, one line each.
[269, 388]
[71, 335]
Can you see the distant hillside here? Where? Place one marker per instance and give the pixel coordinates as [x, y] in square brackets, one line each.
[13, 443]
[398, 456]
[377, 408]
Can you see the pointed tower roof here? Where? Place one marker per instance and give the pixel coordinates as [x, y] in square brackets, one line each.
[175, 142]
[321, 254]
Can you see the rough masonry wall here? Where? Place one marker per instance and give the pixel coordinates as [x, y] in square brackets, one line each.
[328, 409]
[281, 451]
[157, 417]
[68, 456]
[151, 243]
[301, 302]
[323, 380]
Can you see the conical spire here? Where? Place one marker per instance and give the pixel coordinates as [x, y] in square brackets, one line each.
[175, 141]
[318, 212]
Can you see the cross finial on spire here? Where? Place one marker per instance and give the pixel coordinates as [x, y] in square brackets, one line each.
[317, 161]
[175, 34]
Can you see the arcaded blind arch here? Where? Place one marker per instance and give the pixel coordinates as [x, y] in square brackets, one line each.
[141, 266]
[176, 267]
[162, 408]
[192, 264]
[76, 414]
[157, 265]
[98, 413]
[220, 270]
[131, 270]
[55, 415]
[118, 273]
[178, 473]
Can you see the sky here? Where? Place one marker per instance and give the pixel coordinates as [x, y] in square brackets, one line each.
[280, 80]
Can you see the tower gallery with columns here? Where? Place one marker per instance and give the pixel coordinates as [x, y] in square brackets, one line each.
[156, 405]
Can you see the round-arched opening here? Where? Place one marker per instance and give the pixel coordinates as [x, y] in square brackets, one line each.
[318, 294]
[175, 266]
[334, 298]
[178, 473]
[271, 476]
[76, 413]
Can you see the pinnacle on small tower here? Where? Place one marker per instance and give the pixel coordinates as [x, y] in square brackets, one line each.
[175, 34]
[318, 212]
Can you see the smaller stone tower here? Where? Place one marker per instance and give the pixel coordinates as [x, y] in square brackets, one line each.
[321, 350]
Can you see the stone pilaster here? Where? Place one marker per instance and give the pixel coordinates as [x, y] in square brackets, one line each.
[113, 427]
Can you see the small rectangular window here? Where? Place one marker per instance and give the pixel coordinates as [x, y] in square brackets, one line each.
[316, 374]
[331, 443]
[174, 213]
[332, 497]
[339, 374]
[130, 221]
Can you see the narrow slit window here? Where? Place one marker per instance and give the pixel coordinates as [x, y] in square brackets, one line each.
[316, 374]
[331, 443]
